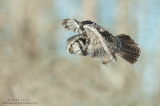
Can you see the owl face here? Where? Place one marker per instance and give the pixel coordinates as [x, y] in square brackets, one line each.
[74, 48]
[77, 45]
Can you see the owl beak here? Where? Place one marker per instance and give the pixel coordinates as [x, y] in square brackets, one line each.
[68, 50]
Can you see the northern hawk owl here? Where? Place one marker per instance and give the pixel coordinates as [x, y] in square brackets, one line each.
[94, 41]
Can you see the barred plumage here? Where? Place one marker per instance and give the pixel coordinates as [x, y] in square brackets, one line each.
[96, 42]
[129, 49]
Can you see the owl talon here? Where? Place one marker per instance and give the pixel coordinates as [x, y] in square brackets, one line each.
[104, 63]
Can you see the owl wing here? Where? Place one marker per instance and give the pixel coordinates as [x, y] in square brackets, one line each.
[72, 24]
[98, 41]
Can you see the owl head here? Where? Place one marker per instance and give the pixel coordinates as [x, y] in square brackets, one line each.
[77, 45]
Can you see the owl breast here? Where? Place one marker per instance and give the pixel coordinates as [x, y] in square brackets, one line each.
[96, 49]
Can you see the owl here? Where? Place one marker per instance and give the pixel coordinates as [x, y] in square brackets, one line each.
[94, 41]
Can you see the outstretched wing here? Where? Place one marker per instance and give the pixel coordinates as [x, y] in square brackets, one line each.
[97, 40]
[72, 24]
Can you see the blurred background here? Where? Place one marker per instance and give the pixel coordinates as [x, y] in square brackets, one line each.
[34, 63]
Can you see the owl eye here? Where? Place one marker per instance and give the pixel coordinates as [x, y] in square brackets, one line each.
[72, 44]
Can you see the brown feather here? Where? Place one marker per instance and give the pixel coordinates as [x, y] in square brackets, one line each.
[128, 50]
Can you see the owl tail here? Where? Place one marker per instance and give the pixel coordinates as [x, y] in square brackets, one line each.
[128, 49]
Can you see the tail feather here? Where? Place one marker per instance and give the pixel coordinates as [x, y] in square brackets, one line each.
[127, 39]
[128, 50]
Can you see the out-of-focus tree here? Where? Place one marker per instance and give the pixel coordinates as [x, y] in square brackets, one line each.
[34, 63]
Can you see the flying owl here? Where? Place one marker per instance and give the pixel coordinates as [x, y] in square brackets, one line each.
[96, 42]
